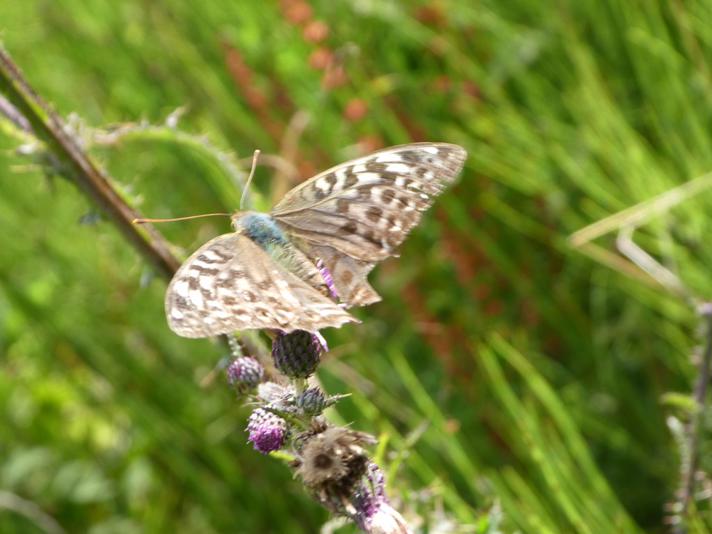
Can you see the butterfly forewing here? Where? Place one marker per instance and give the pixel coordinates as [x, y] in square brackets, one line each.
[231, 284]
[365, 208]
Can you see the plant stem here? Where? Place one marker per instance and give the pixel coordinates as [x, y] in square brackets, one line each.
[32, 115]
[689, 465]
[76, 164]
[300, 385]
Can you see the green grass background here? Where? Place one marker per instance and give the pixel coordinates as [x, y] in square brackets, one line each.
[504, 369]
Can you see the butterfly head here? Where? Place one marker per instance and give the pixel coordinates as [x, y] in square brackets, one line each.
[260, 227]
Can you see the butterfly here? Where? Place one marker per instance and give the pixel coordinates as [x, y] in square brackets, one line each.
[282, 269]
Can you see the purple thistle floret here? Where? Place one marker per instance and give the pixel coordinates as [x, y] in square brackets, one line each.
[328, 279]
[244, 374]
[375, 515]
[370, 495]
[385, 520]
[377, 481]
[267, 431]
[298, 353]
[324, 347]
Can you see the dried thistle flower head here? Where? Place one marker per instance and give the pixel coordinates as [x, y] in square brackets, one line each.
[273, 392]
[244, 374]
[332, 463]
[277, 398]
[317, 425]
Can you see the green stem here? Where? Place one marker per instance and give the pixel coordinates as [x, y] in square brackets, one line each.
[76, 164]
[689, 464]
[300, 385]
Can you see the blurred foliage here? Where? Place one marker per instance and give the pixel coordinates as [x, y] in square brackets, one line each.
[511, 378]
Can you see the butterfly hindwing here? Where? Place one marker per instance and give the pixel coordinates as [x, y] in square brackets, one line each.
[348, 276]
[231, 284]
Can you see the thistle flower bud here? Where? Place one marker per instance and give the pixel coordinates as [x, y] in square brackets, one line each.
[298, 353]
[313, 401]
[244, 374]
[267, 431]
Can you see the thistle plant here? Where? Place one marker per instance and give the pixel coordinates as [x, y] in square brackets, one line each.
[332, 462]
[263, 276]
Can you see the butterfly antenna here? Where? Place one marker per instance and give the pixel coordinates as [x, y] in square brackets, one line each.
[143, 221]
[249, 178]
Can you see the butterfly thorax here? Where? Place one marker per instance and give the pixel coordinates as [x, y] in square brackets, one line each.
[262, 229]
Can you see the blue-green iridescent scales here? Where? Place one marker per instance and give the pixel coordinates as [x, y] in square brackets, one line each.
[268, 273]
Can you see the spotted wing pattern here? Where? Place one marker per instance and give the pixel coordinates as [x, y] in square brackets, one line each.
[231, 284]
[357, 213]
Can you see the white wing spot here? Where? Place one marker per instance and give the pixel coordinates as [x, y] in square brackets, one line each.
[176, 313]
[196, 297]
[388, 156]
[181, 288]
[210, 255]
[368, 177]
[361, 167]
[206, 282]
[399, 168]
[322, 185]
[241, 284]
[340, 175]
